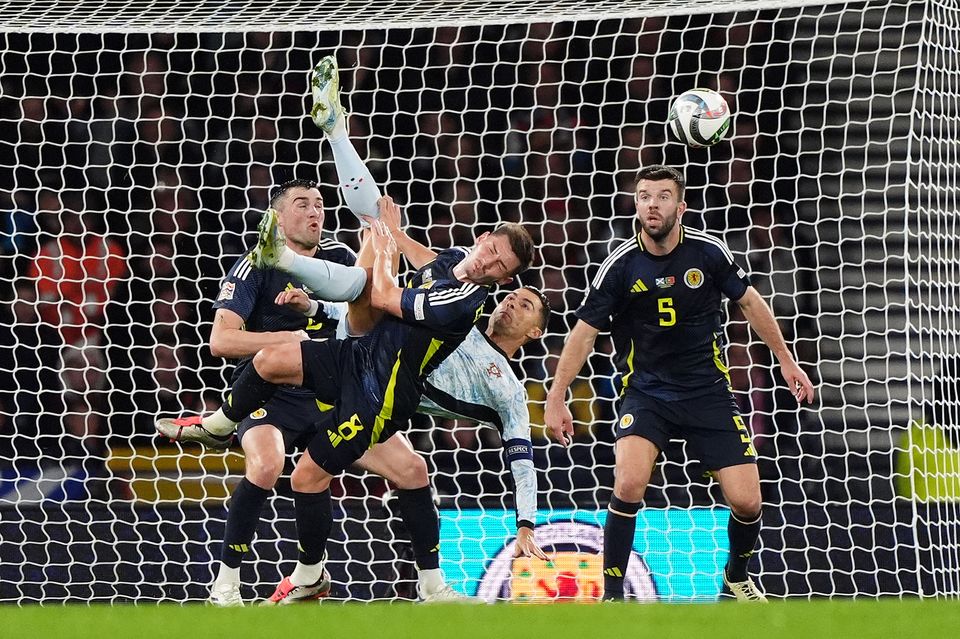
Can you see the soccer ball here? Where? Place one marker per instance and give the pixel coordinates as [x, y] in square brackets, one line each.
[699, 117]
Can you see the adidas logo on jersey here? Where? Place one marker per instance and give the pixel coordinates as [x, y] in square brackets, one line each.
[639, 287]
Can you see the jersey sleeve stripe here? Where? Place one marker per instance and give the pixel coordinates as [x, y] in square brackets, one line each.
[618, 253]
[700, 235]
[244, 270]
[238, 265]
[329, 245]
[447, 297]
[450, 292]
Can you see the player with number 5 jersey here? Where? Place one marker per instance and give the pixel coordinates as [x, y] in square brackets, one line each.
[663, 313]
[659, 294]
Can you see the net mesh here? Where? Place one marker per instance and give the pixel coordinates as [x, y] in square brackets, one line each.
[140, 144]
[932, 319]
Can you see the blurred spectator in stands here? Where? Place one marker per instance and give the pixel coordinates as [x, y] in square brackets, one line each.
[59, 317]
[8, 434]
[18, 234]
[75, 274]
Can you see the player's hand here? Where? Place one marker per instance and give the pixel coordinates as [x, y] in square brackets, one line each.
[797, 381]
[295, 298]
[559, 421]
[526, 546]
[389, 213]
[383, 242]
[299, 336]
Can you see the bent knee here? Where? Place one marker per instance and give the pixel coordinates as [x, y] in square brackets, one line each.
[745, 503]
[746, 509]
[264, 471]
[414, 474]
[277, 363]
[631, 493]
[309, 480]
[630, 484]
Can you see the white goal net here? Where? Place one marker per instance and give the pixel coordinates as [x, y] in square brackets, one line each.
[139, 141]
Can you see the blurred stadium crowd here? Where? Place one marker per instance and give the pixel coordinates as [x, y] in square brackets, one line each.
[138, 164]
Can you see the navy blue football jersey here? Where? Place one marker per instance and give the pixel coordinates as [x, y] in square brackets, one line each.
[664, 313]
[250, 293]
[438, 313]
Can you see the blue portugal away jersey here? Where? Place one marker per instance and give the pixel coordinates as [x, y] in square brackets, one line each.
[664, 313]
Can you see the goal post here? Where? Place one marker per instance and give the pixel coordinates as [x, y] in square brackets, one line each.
[929, 470]
[140, 141]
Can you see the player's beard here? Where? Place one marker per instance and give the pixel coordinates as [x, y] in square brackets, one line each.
[477, 274]
[307, 238]
[666, 225]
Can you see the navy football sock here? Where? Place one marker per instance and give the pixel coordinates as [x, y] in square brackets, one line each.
[246, 503]
[743, 534]
[314, 522]
[618, 533]
[249, 393]
[422, 521]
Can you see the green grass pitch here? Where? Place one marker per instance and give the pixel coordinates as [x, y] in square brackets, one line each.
[890, 618]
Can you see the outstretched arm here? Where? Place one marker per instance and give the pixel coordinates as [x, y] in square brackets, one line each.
[229, 339]
[519, 454]
[761, 318]
[525, 496]
[557, 414]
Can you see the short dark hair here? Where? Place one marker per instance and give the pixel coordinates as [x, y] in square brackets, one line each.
[520, 243]
[544, 306]
[281, 190]
[661, 172]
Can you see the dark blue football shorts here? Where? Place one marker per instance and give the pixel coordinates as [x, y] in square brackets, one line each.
[332, 370]
[711, 424]
[294, 412]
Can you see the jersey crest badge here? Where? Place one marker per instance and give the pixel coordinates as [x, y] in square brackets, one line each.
[226, 293]
[693, 278]
[666, 282]
[626, 421]
[494, 371]
[258, 414]
[427, 275]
